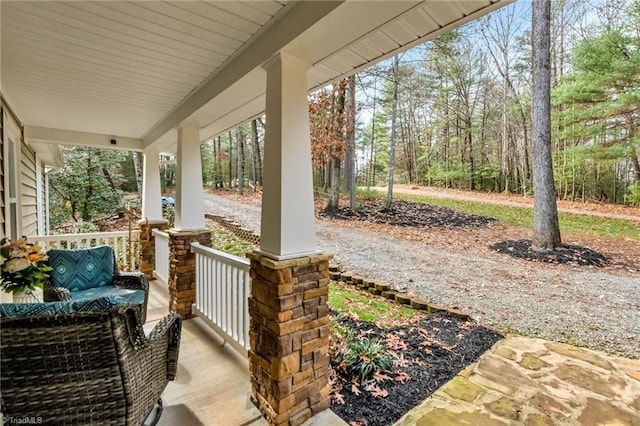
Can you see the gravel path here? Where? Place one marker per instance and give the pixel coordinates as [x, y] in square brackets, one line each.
[595, 309]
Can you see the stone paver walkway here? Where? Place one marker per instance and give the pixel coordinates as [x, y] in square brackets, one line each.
[524, 381]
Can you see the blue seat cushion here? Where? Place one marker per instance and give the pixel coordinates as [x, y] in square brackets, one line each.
[82, 269]
[129, 296]
[55, 308]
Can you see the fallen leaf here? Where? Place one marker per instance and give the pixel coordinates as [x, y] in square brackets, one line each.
[380, 377]
[379, 393]
[402, 377]
[355, 389]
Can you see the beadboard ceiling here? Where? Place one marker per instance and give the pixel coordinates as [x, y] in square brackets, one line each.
[89, 71]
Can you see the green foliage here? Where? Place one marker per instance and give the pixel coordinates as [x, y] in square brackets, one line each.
[632, 197]
[169, 214]
[366, 194]
[364, 306]
[87, 186]
[84, 227]
[223, 240]
[343, 331]
[23, 266]
[364, 357]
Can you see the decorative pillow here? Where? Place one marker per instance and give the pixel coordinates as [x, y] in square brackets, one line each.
[129, 296]
[55, 308]
[83, 268]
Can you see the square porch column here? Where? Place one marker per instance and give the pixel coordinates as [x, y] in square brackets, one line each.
[151, 211]
[189, 223]
[289, 315]
[287, 226]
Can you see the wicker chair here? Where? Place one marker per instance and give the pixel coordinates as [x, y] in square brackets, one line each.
[85, 367]
[92, 273]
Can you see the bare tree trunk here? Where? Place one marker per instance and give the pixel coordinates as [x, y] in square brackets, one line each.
[334, 192]
[337, 111]
[546, 230]
[394, 119]
[350, 158]
[240, 172]
[257, 159]
[230, 159]
[371, 176]
[137, 167]
[219, 179]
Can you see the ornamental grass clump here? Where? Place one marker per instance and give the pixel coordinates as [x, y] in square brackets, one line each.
[23, 266]
[365, 357]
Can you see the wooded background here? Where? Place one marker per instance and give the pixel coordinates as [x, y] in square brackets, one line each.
[456, 112]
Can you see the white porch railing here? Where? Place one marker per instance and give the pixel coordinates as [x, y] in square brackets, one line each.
[161, 271]
[125, 245]
[223, 285]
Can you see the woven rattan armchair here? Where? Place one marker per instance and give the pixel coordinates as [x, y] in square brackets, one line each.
[91, 273]
[94, 368]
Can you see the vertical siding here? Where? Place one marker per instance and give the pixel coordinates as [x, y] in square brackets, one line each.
[42, 198]
[2, 173]
[29, 191]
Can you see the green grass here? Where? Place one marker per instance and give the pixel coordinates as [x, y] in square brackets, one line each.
[223, 240]
[365, 306]
[522, 216]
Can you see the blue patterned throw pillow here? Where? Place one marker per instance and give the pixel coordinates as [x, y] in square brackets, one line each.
[82, 269]
[55, 308]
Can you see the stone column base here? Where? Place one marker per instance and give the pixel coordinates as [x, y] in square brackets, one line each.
[182, 269]
[289, 334]
[148, 244]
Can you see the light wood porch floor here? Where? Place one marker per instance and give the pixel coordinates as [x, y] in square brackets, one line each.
[212, 385]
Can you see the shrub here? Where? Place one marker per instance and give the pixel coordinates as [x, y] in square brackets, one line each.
[84, 227]
[632, 197]
[364, 357]
[169, 213]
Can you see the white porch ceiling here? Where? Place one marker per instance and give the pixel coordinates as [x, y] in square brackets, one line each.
[137, 70]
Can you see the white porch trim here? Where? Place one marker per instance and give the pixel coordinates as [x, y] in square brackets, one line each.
[287, 225]
[189, 198]
[151, 189]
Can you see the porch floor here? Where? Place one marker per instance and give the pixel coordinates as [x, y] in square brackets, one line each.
[212, 385]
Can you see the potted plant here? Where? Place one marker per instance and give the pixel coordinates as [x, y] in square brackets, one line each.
[23, 269]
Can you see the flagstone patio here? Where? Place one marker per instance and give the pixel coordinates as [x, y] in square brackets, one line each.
[524, 381]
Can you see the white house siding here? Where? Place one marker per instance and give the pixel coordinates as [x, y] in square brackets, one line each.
[43, 211]
[2, 174]
[28, 190]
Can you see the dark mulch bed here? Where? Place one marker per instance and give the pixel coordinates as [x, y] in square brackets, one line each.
[568, 254]
[406, 213]
[427, 353]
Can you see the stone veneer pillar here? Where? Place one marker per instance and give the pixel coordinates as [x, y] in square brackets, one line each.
[289, 335]
[148, 244]
[182, 269]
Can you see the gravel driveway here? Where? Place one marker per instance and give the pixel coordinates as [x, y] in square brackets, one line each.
[598, 310]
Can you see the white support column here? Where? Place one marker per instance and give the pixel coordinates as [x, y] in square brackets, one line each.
[189, 198]
[151, 189]
[287, 227]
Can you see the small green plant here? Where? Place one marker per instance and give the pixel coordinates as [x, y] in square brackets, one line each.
[84, 227]
[343, 331]
[224, 240]
[365, 357]
[632, 197]
[169, 213]
[366, 307]
[367, 194]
